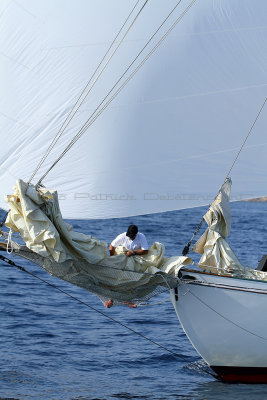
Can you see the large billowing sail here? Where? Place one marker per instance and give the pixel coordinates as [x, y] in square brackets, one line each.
[168, 139]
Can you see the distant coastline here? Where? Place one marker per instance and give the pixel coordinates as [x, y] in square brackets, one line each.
[258, 199]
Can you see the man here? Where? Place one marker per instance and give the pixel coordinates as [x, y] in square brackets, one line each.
[134, 242]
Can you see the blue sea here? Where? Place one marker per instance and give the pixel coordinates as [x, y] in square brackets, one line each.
[53, 347]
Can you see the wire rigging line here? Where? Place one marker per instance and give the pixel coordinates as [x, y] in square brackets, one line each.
[10, 262]
[187, 247]
[243, 144]
[85, 92]
[97, 113]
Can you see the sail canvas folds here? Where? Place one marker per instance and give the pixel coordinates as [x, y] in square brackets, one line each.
[153, 147]
[217, 254]
[83, 259]
[130, 108]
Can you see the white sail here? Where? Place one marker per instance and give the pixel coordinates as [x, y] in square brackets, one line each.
[167, 141]
[82, 259]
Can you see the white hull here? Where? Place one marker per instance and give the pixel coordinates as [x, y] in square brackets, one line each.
[226, 321]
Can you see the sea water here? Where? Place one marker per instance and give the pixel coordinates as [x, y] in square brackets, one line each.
[53, 347]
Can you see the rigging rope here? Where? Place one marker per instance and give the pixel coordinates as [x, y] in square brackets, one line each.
[243, 144]
[81, 99]
[170, 280]
[187, 247]
[10, 262]
[96, 114]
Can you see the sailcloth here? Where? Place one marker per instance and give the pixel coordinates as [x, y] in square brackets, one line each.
[217, 255]
[83, 259]
[162, 144]
[166, 140]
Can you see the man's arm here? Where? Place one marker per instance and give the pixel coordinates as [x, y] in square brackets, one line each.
[111, 250]
[138, 252]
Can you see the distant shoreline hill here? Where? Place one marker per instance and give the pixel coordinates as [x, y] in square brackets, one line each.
[258, 199]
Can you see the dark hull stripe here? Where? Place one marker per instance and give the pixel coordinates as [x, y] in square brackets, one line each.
[241, 374]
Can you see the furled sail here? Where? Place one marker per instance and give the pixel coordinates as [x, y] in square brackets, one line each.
[217, 255]
[168, 138]
[82, 259]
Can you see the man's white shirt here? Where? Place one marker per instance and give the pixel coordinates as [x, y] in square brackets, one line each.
[139, 242]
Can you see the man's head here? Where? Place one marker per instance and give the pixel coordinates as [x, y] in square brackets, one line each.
[132, 231]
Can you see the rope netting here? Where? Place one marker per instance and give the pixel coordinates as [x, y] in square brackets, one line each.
[136, 287]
